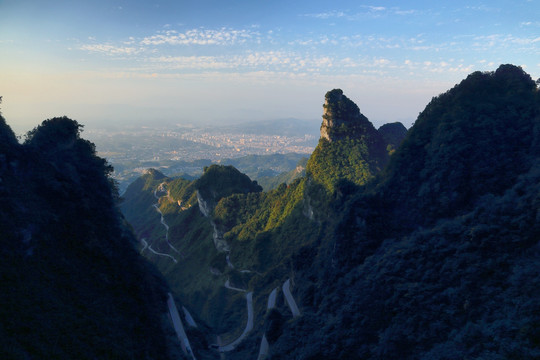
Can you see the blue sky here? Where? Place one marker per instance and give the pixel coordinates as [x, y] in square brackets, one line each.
[218, 61]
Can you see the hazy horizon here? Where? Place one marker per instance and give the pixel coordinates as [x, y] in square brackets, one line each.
[213, 62]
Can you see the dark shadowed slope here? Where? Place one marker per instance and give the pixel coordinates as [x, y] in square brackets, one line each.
[73, 286]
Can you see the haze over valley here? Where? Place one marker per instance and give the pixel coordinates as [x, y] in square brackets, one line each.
[180, 149]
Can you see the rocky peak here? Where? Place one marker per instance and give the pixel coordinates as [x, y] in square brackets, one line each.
[342, 118]
[349, 148]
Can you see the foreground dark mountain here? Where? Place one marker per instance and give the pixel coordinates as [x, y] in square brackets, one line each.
[73, 287]
[435, 257]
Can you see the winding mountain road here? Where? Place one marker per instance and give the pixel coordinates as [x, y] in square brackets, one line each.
[222, 246]
[272, 299]
[289, 298]
[189, 318]
[156, 206]
[178, 327]
[263, 349]
[247, 329]
[228, 286]
[145, 244]
[161, 254]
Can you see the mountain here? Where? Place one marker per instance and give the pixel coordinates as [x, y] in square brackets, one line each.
[431, 256]
[73, 285]
[393, 134]
[473, 141]
[261, 166]
[350, 148]
[438, 257]
[217, 239]
[287, 177]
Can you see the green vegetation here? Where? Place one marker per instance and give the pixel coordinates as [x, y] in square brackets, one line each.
[349, 149]
[471, 141]
[272, 182]
[345, 159]
[266, 232]
[220, 181]
[442, 248]
[265, 166]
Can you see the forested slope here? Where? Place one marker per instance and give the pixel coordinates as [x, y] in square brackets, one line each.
[439, 257]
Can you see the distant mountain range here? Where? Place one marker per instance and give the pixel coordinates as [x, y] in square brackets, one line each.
[279, 127]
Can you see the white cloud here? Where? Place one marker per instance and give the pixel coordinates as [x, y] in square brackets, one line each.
[501, 41]
[370, 12]
[483, 8]
[251, 61]
[530, 23]
[223, 36]
[381, 62]
[111, 49]
[405, 12]
[187, 62]
[326, 15]
[376, 8]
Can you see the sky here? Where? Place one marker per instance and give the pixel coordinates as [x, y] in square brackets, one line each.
[215, 61]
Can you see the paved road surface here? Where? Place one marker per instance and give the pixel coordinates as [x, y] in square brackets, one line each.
[178, 327]
[228, 286]
[272, 299]
[189, 318]
[289, 298]
[263, 350]
[249, 326]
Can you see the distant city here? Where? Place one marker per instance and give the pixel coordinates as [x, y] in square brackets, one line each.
[157, 145]
[179, 149]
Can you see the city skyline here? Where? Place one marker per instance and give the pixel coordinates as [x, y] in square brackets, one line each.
[213, 62]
